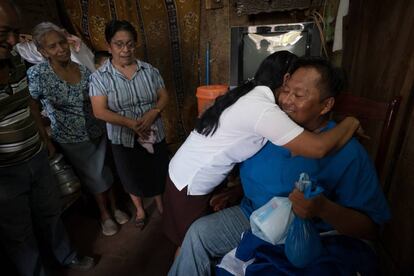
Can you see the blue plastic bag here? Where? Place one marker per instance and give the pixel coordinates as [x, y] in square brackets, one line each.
[303, 244]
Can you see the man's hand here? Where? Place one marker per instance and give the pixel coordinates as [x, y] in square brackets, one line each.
[306, 208]
[226, 198]
[219, 201]
[346, 221]
[361, 133]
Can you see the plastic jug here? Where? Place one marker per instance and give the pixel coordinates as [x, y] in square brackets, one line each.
[207, 94]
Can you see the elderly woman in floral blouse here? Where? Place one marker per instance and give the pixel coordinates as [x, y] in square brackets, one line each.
[61, 87]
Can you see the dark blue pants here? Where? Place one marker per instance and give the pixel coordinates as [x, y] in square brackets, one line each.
[30, 198]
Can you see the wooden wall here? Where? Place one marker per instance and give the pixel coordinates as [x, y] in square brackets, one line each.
[215, 28]
[379, 59]
[378, 53]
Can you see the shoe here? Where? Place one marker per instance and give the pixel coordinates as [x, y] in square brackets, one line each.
[82, 263]
[121, 217]
[109, 227]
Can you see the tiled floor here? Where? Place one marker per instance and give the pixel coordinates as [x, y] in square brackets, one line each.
[129, 252]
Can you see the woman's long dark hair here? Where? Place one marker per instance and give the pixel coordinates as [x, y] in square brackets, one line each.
[270, 73]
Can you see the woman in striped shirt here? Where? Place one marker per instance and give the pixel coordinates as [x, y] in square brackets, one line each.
[129, 95]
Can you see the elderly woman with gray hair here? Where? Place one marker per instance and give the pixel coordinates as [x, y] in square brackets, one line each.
[61, 86]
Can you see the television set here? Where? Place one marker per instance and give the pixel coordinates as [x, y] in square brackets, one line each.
[251, 44]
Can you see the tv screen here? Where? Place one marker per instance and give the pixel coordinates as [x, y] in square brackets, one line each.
[250, 45]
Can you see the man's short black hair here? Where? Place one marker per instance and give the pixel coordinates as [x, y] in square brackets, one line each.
[333, 79]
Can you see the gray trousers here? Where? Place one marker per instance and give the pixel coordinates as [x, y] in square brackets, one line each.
[30, 198]
[207, 240]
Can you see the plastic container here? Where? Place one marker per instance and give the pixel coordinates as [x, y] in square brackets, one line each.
[207, 94]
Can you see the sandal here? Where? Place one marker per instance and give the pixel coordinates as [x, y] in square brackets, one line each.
[140, 223]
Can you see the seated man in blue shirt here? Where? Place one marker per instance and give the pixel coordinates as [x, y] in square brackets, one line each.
[352, 203]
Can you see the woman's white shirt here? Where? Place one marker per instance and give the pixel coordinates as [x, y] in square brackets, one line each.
[202, 163]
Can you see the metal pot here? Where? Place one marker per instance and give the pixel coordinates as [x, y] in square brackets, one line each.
[66, 176]
[69, 188]
[57, 163]
[66, 179]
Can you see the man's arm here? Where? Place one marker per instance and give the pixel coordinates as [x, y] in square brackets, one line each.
[346, 221]
[227, 197]
[35, 111]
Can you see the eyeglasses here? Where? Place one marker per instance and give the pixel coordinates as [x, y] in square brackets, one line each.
[120, 44]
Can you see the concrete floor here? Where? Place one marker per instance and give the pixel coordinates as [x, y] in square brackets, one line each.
[131, 251]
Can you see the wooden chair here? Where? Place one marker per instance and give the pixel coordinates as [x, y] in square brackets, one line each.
[370, 112]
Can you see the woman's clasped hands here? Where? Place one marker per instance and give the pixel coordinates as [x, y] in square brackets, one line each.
[142, 126]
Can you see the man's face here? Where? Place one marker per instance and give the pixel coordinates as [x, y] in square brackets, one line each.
[9, 28]
[300, 98]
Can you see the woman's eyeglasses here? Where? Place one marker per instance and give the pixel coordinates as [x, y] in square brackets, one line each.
[120, 45]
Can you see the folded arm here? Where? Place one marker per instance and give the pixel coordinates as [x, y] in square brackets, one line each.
[101, 111]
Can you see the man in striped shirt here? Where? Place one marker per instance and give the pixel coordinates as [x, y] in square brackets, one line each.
[27, 188]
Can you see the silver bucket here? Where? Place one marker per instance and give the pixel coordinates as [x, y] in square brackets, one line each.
[65, 177]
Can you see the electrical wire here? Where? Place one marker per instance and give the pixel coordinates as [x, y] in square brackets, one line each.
[320, 24]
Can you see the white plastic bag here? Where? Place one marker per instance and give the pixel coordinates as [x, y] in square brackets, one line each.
[83, 55]
[271, 221]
